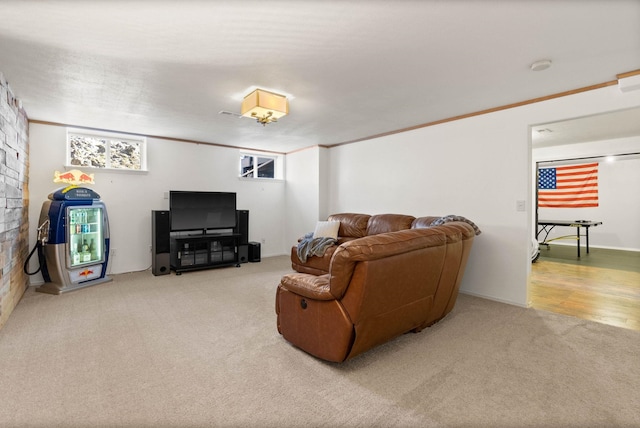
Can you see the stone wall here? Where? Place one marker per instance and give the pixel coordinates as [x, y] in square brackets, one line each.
[14, 200]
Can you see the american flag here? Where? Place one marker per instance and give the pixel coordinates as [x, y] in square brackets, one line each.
[571, 186]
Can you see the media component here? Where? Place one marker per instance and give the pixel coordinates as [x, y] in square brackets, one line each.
[205, 231]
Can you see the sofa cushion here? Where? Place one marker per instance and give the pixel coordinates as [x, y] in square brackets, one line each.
[384, 223]
[314, 265]
[351, 225]
[327, 229]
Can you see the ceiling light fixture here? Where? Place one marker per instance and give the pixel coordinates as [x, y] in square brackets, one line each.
[541, 65]
[264, 106]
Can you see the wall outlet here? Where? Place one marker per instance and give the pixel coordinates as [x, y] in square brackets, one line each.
[520, 205]
[113, 252]
[166, 195]
[263, 241]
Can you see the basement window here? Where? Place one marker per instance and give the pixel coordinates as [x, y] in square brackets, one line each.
[106, 150]
[260, 165]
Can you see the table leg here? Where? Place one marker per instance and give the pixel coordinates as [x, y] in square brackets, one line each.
[578, 228]
[587, 236]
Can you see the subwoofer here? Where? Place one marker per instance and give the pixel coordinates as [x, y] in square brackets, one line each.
[254, 251]
[160, 243]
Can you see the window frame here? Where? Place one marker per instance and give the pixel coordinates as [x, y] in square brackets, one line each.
[109, 137]
[278, 165]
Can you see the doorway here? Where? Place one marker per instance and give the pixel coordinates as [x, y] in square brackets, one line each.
[604, 285]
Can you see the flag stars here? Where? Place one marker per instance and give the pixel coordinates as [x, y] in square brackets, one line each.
[547, 178]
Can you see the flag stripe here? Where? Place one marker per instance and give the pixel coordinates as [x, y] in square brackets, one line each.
[577, 186]
[565, 205]
[568, 191]
[570, 186]
[592, 195]
[593, 166]
[570, 172]
[561, 200]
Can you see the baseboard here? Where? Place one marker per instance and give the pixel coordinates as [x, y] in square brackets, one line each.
[591, 246]
[495, 299]
[275, 255]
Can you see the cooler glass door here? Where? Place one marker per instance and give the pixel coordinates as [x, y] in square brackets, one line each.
[85, 243]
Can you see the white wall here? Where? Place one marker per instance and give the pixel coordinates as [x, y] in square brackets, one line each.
[130, 196]
[303, 203]
[618, 190]
[455, 168]
[477, 167]
[323, 191]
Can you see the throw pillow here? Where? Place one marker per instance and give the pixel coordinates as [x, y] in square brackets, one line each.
[327, 229]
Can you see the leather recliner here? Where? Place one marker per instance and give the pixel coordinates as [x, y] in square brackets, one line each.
[394, 275]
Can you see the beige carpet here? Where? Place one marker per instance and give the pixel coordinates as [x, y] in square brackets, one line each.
[202, 349]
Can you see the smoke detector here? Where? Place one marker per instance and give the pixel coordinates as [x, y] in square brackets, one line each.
[541, 65]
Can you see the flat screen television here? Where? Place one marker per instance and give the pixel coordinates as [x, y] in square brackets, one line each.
[202, 210]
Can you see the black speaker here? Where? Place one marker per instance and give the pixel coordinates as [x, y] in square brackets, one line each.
[160, 243]
[242, 226]
[243, 253]
[254, 251]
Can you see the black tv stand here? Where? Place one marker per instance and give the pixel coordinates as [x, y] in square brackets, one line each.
[200, 251]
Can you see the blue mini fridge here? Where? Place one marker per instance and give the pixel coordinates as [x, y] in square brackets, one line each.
[77, 240]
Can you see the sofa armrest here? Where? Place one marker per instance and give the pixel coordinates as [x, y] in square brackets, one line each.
[307, 285]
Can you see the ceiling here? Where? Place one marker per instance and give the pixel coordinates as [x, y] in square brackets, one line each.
[353, 69]
[606, 126]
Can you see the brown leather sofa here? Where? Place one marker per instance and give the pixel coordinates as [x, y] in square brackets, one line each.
[388, 274]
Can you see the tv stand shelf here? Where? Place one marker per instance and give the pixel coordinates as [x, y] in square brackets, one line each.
[197, 252]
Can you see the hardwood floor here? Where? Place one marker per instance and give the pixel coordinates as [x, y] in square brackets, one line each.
[603, 286]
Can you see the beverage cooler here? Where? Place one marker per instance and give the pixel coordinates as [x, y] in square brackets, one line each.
[77, 247]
